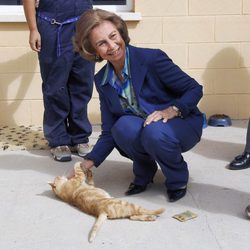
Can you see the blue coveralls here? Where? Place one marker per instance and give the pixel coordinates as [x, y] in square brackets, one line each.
[67, 78]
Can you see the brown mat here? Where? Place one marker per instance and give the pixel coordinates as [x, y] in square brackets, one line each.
[22, 138]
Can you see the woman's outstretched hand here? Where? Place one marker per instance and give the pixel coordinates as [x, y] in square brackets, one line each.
[87, 164]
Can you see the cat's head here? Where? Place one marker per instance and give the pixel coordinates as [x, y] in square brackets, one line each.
[58, 184]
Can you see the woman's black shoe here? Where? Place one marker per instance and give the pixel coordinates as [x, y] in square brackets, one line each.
[175, 195]
[135, 189]
[240, 162]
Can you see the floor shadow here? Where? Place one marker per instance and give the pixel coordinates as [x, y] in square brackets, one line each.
[212, 149]
[217, 199]
[222, 146]
[39, 162]
[114, 177]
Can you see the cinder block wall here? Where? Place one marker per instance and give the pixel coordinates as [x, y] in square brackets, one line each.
[210, 40]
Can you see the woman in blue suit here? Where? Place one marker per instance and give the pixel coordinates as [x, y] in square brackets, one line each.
[148, 104]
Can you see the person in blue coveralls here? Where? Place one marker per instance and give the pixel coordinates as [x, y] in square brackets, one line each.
[67, 78]
[148, 104]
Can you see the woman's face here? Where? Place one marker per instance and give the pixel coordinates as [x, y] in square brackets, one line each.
[108, 43]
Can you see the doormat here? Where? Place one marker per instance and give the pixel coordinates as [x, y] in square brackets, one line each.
[22, 138]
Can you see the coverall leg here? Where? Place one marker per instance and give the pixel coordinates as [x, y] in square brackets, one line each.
[67, 78]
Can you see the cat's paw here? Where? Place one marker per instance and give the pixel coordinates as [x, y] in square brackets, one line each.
[78, 167]
[86, 171]
[150, 217]
[143, 217]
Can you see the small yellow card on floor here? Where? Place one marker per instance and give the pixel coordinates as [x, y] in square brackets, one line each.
[187, 215]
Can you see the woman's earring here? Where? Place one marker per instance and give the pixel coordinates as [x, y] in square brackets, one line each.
[97, 57]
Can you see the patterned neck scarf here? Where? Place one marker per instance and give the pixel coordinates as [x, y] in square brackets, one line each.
[124, 88]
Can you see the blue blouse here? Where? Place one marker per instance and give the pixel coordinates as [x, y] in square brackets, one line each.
[124, 88]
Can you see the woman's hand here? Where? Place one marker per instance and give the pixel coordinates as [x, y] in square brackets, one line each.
[164, 115]
[85, 164]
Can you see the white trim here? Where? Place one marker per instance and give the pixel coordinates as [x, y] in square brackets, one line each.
[15, 13]
[12, 13]
[130, 16]
[118, 8]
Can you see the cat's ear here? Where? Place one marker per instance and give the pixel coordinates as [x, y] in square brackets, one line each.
[52, 184]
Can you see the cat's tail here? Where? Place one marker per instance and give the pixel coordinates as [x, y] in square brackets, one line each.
[152, 212]
[99, 221]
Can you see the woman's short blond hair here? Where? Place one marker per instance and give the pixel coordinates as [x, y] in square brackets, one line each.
[87, 22]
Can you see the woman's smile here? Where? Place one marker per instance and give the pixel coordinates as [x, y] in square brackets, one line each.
[108, 43]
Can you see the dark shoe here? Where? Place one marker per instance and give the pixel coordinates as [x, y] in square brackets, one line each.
[61, 153]
[240, 162]
[247, 211]
[175, 195]
[135, 189]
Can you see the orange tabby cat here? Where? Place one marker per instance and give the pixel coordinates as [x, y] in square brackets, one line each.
[80, 192]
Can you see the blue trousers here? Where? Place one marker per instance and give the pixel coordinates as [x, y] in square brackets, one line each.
[67, 78]
[159, 142]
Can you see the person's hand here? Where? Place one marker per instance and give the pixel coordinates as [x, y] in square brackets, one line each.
[87, 164]
[35, 40]
[163, 115]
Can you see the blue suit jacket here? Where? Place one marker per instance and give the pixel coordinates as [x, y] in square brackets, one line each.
[158, 83]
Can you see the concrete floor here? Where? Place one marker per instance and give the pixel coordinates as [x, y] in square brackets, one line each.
[32, 218]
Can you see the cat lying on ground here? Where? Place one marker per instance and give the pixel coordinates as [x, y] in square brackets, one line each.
[80, 192]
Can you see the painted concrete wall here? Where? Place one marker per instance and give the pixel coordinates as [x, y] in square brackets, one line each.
[210, 40]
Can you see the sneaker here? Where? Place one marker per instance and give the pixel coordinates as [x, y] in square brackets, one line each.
[82, 149]
[61, 153]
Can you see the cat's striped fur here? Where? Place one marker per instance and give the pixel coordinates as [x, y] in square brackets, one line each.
[80, 192]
